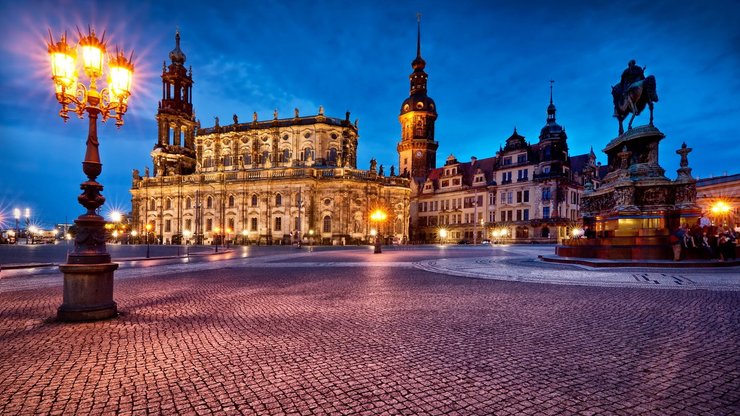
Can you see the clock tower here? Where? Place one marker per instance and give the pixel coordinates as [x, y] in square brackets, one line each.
[417, 150]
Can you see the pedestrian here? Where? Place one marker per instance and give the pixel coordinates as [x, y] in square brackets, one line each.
[726, 242]
[677, 240]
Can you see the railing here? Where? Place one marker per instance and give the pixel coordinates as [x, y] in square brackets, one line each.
[280, 173]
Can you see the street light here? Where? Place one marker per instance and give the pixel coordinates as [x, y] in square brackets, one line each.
[88, 274]
[443, 235]
[378, 216]
[17, 216]
[148, 230]
[28, 222]
[245, 237]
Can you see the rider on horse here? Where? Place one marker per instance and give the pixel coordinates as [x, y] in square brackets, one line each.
[630, 76]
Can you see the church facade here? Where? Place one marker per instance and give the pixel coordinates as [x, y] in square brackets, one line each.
[272, 181]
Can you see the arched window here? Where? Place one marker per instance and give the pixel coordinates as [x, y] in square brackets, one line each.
[228, 161]
[188, 203]
[307, 154]
[231, 201]
[208, 162]
[545, 232]
[327, 224]
[254, 200]
[209, 202]
[265, 156]
[152, 204]
[247, 158]
[278, 200]
[331, 156]
[284, 156]
[168, 203]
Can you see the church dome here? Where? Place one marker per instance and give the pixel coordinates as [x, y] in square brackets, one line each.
[176, 55]
[418, 102]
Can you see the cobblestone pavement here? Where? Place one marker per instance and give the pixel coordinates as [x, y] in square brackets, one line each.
[354, 333]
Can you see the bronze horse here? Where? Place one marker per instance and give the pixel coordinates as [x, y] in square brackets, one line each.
[639, 94]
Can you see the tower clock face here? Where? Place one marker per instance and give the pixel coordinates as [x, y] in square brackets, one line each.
[418, 154]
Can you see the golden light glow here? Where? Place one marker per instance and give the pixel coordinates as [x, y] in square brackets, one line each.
[148, 227]
[373, 232]
[186, 233]
[720, 208]
[120, 78]
[443, 233]
[115, 216]
[378, 215]
[92, 51]
[134, 233]
[245, 233]
[217, 229]
[17, 214]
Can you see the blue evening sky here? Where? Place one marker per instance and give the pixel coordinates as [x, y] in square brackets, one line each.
[489, 63]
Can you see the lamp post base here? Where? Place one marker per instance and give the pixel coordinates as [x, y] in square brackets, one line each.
[88, 292]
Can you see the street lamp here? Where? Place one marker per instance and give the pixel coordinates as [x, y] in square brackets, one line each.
[186, 234]
[378, 216]
[17, 216]
[28, 222]
[443, 235]
[88, 274]
[245, 235]
[148, 230]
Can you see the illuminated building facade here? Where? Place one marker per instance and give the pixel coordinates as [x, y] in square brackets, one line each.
[270, 181]
[526, 193]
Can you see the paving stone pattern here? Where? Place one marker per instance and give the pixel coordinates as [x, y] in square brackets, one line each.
[372, 340]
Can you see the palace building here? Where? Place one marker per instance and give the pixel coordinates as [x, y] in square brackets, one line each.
[271, 181]
[525, 193]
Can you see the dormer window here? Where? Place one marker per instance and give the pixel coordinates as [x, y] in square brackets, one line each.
[445, 183]
[507, 161]
[521, 158]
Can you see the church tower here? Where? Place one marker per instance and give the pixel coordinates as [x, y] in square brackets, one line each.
[553, 146]
[417, 150]
[174, 153]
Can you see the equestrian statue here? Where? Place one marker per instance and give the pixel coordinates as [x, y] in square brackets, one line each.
[633, 93]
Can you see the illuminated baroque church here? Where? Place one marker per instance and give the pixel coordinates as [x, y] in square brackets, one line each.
[272, 181]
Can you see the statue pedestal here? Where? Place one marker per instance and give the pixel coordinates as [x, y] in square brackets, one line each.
[636, 207]
[88, 292]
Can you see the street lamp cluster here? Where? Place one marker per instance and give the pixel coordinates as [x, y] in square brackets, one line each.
[88, 274]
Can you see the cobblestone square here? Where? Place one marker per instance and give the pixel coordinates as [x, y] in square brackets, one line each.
[306, 334]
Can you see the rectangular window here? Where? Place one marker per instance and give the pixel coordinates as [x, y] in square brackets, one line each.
[231, 224]
[509, 215]
[507, 160]
[480, 217]
[209, 224]
[526, 196]
[445, 183]
[479, 200]
[456, 182]
[518, 197]
[526, 214]
[189, 225]
[521, 158]
[546, 194]
[253, 225]
[491, 199]
[509, 197]
[503, 197]
[518, 215]
[545, 212]
[167, 226]
[278, 223]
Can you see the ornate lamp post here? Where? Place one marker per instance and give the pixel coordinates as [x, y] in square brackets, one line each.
[378, 216]
[88, 274]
